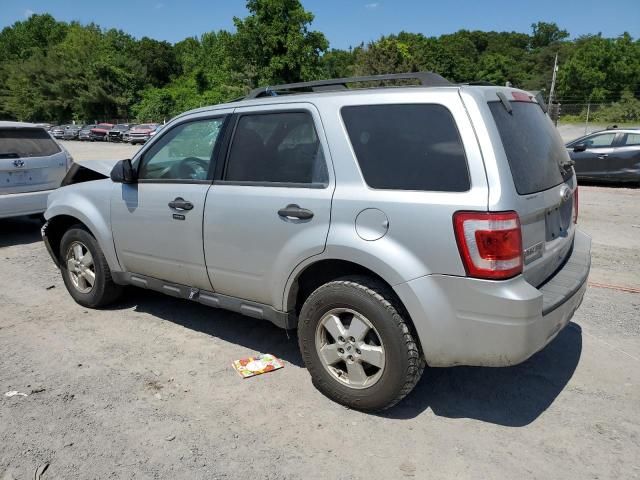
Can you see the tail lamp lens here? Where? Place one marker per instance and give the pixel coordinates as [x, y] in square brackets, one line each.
[490, 244]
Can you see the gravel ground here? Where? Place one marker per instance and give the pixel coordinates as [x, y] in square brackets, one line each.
[145, 389]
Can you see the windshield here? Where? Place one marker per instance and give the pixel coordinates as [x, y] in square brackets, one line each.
[532, 144]
[147, 126]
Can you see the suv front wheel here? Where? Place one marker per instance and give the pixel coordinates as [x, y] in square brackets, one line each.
[85, 271]
[357, 346]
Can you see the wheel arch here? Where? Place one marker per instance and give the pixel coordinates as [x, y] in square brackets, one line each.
[58, 222]
[56, 228]
[325, 270]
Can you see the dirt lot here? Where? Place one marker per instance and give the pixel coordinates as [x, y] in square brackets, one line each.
[145, 389]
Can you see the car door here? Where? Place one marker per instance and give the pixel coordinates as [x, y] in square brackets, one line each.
[625, 165]
[592, 162]
[157, 221]
[269, 208]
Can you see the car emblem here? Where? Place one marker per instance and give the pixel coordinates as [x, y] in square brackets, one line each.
[18, 163]
[565, 193]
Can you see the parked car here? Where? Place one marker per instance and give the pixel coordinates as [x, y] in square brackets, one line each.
[85, 132]
[125, 134]
[71, 132]
[58, 131]
[393, 227]
[611, 155]
[141, 133]
[157, 129]
[117, 132]
[32, 165]
[99, 132]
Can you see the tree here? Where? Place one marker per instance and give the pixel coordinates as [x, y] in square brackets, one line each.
[599, 69]
[544, 34]
[274, 45]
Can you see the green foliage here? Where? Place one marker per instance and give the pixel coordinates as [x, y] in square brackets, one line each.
[626, 110]
[545, 34]
[273, 44]
[57, 71]
[599, 69]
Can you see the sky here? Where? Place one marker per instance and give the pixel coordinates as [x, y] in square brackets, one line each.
[344, 22]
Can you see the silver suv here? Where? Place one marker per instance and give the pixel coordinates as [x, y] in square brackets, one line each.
[394, 227]
[32, 164]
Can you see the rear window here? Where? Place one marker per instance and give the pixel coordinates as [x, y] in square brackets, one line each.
[26, 142]
[407, 147]
[532, 144]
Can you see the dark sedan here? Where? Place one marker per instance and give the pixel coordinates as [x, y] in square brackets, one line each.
[611, 155]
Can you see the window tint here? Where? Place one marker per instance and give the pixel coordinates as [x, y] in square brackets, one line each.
[276, 147]
[407, 147]
[604, 140]
[183, 153]
[632, 139]
[532, 144]
[26, 142]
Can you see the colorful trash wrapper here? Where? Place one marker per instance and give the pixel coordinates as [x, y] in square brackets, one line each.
[252, 366]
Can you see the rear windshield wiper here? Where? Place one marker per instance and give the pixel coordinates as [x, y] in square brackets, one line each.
[505, 102]
[9, 155]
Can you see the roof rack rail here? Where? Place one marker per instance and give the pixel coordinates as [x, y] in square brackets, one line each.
[426, 79]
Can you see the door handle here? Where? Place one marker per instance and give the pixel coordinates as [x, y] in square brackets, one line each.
[294, 211]
[181, 204]
[602, 156]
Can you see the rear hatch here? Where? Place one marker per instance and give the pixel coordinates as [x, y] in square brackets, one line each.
[544, 181]
[30, 160]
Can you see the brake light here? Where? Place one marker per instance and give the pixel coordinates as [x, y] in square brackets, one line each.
[490, 244]
[575, 205]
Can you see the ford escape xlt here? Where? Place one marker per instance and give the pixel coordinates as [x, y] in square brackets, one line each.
[32, 164]
[394, 227]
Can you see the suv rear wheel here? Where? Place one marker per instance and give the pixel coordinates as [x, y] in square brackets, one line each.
[357, 346]
[85, 271]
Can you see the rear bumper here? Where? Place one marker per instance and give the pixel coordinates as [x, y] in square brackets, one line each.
[466, 321]
[16, 204]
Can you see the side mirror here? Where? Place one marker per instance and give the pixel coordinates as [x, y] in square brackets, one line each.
[123, 172]
[580, 147]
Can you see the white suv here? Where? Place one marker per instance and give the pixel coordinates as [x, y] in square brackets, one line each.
[32, 164]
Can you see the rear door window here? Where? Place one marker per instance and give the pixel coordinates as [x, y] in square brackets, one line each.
[407, 147]
[277, 148]
[532, 144]
[631, 139]
[26, 142]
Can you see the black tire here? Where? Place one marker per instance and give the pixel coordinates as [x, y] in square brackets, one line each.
[376, 301]
[104, 290]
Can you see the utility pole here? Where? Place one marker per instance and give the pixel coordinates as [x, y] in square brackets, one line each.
[586, 124]
[553, 83]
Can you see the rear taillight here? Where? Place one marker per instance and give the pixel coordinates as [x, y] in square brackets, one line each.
[575, 205]
[490, 244]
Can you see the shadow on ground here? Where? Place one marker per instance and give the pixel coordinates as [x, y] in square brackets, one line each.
[258, 335]
[509, 396]
[19, 231]
[512, 396]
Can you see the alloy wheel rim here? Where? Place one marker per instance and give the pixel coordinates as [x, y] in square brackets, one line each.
[350, 348]
[81, 267]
